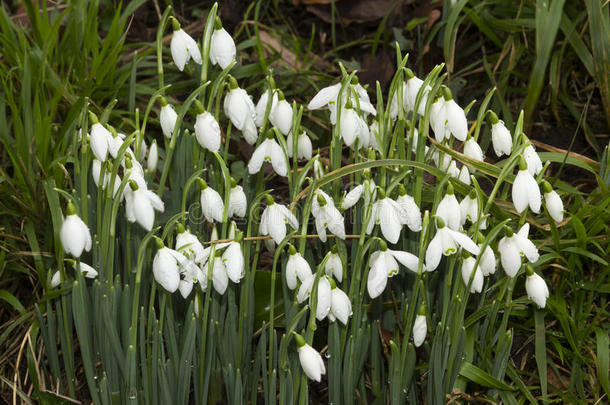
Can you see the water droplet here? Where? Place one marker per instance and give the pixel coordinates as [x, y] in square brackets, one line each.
[132, 394]
[327, 355]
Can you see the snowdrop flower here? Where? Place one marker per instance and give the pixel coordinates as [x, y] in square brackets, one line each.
[420, 327]
[413, 85]
[96, 173]
[261, 106]
[222, 46]
[296, 267]
[220, 277]
[183, 47]
[328, 97]
[237, 201]
[448, 118]
[281, 114]
[141, 204]
[534, 164]
[553, 202]
[445, 242]
[396, 100]
[351, 198]
[99, 139]
[487, 260]
[448, 209]
[501, 138]
[304, 147]
[324, 296]
[269, 151]
[207, 130]
[374, 135]
[167, 118]
[318, 167]
[340, 305]
[473, 150]
[310, 359]
[353, 127]
[390, 217]
[383, 264]
[464, 175]
[514, 245]
[467, 269]
[327, 216]
[85, 269]
[334, 265]
[238, 106]
[166, 268]
[212, 206]
[525, 190]
[55, 280]
[536, 288]
[274, 220]
[412, 217]
[469, 208]
[189, 245]
[153, 157]
[75, 236]
[233, 260]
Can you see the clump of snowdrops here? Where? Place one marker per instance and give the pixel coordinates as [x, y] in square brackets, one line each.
[395, 248]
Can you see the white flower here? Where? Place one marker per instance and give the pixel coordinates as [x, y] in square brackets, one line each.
[220, 277]
[501, 138]
[448, 209]
[166, 268]
[207, 131]
[211, 203]
[456, 120]
[153, 157]
[512, 246]
[55, 280]
[353, 127]
[390, 217]
[238, 106]
[351, 198]
[304, 147]
[274, 220]
[100, 139]
[448, 118]
[334, 264]
[250, 132]
[167, 118]
[469, 208]
[414, 85]
[222, 48]
[395, 100]
[270, 151]
[536, 288]
[96, 169]
[183, 47]
[261, 106]
[464, 175]
[324, 97]
[75, 236]
[141, 203]
[467, 269]
[327, 216]
[445, 243]
[281, 115]
[189, 245]
[383, 264]
[534, 164]
[310, 359]
[86, 270]
[473, 150]
[412, 214]
[420, 329]
[324, 296]
[329, 97]
[233, 259]
[553, 202]
[340, 306]
[296, 267]
[237, 201]
[374, 135]
[525, 190]
[487, 261]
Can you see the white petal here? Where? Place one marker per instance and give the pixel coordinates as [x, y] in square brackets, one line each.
[220, 279]
[222, 48]
[99, 141]
[464, 241]
[207, 132]
[473, 150]
[233, 259]
[554, 205]
[178, 47]
[324, 96]
[340, 306]
[509, 256]
[278, 159]
[520, 190]
[409, 260]
[212, 205]
[449, 210]
[281, 116]
[413, 215]
[349, 125]
[75, 236]
[311, 362]
[324, 299]
[456, 120]
[334, 267]
[165, 270]
[143, 209]
[238, 203]
[168, 118]
[352, 197]
[501, 139]
[305, 289]
[257, 158]
[420, 329]
[377, 279]
[249, 131]
[537, 290]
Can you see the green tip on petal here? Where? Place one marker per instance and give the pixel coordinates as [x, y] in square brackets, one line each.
[546, 187]
[522, 163]
[202, 184]
[133, 185]
[163, 101]
[529, 270]
[180, 228]
[291, 250]
[334, 249]
[217, 24]
[270, 200]
[508, 231]
[232, 82]
[93, 118]
[450, 190]
[409, 74]
[299, 339]
[422, 309]
[348, 104]
[321, 200]
[158, 242]
[175, 24]
[402, 190]
[493, 118]
[383, 246]
[446, 93]
[199, 107]
[71, 209]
